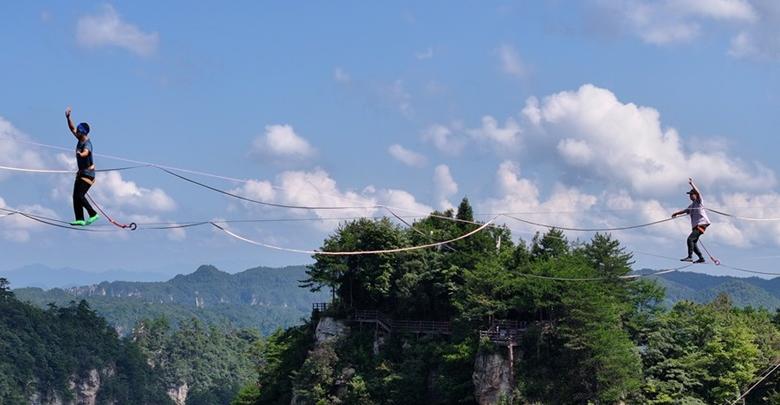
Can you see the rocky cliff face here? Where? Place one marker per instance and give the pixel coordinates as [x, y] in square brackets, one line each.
[323, 358]
[492, 378]
[85, 390]
[179, 394]
[329, 330]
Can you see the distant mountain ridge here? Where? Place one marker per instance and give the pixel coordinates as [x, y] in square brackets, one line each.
[263, 298]
[41, 276]
[697, 287]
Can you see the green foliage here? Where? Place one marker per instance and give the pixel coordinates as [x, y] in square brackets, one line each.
[603, 341]
[43, 352]
[707, 353]
[214, 363]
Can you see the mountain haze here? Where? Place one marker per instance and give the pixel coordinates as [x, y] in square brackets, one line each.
[262, 298]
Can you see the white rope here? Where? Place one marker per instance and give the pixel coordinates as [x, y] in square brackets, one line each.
[19, 169]
[743, 218]
[354, 253]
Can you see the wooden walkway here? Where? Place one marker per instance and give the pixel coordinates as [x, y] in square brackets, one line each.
[402, 326]
[505, 332]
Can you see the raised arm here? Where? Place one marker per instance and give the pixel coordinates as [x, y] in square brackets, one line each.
[694, 188]
[70, 122]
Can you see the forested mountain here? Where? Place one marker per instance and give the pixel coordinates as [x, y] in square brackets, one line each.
[260, 298]
[545, 322]
[702, 288]
[68, 355]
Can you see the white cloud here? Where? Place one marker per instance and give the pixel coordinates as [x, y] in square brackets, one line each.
[519, 195]
[754, 25]
[510, 61]
[108, 29]
[505, 138]
[398, 94]
[444, 186]
[281, 141]
[443, 139]
[317, 189]
[674, 21]
[625, 143]
[406, 156]
[423, 55]
[17, 228]
[341, 76]
[113, 191]
[759, 40]
[403, 200]
[14, 153]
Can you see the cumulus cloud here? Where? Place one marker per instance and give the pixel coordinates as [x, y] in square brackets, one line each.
[754, 25]
[503, 138]
[17, 228]
[13, 153]
[510, 61]
[117, 194]
[519, 195]
[406, 156]
[443, 139]
[281, 141]
[444, 186]
[318, 188]
[673, 21]
[114, 191]
[403, 200]
[597, 134]
[759, 40]
[107, 29]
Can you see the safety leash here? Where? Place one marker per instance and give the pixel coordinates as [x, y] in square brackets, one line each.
[132, 226]
[714, 260]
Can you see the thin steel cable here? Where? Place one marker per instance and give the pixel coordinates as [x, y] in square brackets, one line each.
[270, 204]
[725, 214]
[57, 171]
[140, 163]
[51, 223]
[412, 227]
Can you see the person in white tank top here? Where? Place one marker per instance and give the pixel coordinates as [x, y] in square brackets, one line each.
[699, 222]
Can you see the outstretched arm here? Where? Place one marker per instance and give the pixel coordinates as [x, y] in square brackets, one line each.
[70, 122]
[680, 212]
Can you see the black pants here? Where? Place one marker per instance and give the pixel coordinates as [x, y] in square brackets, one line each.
[693, 240]
[80, 188]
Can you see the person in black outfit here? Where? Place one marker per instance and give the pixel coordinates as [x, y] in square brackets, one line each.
[85, 177]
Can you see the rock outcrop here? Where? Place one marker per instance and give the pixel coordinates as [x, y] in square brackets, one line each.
[179, 393]
[492, 378]
[329, 330]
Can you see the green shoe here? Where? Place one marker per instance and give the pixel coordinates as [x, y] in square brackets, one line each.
[79, 222]
[92, 219]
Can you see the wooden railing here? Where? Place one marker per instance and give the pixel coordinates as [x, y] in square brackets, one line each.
[320, 306]
[505, 331]
[403, 326]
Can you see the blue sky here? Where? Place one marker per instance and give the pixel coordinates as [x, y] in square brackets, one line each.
[592, 114]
